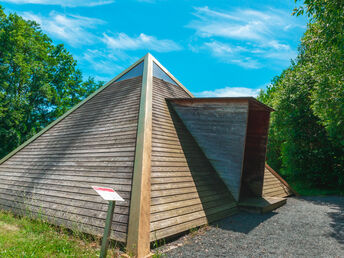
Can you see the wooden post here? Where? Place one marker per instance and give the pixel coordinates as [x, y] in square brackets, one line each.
[138, 241]
[107, 230]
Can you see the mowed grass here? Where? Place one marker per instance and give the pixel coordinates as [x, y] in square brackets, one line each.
[25, 237]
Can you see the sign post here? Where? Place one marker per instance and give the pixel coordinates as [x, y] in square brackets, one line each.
[110, 195]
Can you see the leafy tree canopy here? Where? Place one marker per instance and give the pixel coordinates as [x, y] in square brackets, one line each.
[307, 131]
[39, 81]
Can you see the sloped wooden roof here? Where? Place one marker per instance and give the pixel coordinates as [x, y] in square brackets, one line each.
[123, 136]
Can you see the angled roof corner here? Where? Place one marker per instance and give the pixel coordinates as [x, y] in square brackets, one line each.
[170, 75]
[256, 103]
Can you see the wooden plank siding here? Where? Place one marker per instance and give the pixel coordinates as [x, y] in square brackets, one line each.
[185, 189]
[220, 130]
[255, 151]
[94, 145]
[274, 187]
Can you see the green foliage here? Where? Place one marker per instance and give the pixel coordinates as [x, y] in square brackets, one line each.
[306, 140]
[306, 188]
[38, 81]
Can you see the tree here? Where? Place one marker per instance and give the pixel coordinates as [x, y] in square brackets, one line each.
[39, 81]
[307, 131]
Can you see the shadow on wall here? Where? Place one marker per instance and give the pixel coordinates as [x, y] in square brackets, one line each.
[216, 200]
[336, 214]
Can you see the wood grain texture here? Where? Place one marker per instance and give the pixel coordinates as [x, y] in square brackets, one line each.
[219, 129]
[255, 152]
[273, 186]
[185, 189]
[93, 145]
[139, 221]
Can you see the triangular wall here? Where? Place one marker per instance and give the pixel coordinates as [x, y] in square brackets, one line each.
[219, 128]
[186, 191]
[94, 144]
[274, 185]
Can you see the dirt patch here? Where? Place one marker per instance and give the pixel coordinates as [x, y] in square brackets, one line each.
[4, 227]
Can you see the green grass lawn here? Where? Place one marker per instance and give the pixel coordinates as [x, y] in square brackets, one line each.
[24, 237]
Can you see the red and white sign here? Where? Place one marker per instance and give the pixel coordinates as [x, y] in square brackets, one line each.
[108, 194]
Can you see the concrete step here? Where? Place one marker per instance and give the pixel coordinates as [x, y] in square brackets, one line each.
[261, 204]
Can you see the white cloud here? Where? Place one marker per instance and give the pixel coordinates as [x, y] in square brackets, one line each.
[66, 3]
[229, 92]
[72, 29]
[260, 35]
[122, 41]
[229, 54]
[102, 62]
[243, 24]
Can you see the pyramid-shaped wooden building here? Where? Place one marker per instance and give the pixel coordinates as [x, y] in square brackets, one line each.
[178, 161]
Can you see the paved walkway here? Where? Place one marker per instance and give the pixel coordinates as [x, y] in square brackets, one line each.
[304, 227]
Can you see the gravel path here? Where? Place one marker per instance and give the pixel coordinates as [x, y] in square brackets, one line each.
[308, 227]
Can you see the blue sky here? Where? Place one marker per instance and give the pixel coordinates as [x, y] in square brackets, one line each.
[215, 48]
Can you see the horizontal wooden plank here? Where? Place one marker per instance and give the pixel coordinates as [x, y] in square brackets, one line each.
[189, 216]
[58, 184]
[58, 213]
[189, 209]
[185, 203]
[90, 132]
[185, 196]
[72, 163]
[68, 194]
[85, 137]
[74, 154]
[67, 158]
[65, 171]
[156, 187]
[76, 168]
[70, 178]
[82, 227]
[175, 229]
[100, 129]
[83, 144]
[114, 118]
[180, 174]
[67, 207]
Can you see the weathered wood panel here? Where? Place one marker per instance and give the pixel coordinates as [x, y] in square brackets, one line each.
[219, 129]
[94, 145]
[273, 187]
[185, 189]
[255, 151]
